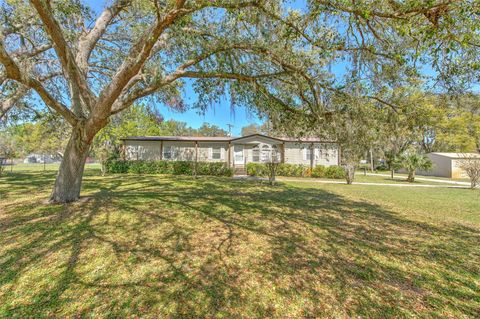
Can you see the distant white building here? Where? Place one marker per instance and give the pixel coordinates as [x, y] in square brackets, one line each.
[41, 158]
[448, 164]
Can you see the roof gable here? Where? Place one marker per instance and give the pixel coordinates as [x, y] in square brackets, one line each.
[253, 138]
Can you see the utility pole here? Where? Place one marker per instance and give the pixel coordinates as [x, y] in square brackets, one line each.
[230, 129]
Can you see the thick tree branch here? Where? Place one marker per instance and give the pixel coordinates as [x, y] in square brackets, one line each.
[87, 43]
[139, 53]
[143, 49]
[32, 53]
[13, 72]
[78, 82]
[12, 100]
[22, 90]
[140, 93]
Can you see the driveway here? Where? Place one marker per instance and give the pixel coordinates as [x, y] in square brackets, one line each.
[426, 179]
[312, 180]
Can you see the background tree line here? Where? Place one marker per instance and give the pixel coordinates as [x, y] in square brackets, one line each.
[48, 133]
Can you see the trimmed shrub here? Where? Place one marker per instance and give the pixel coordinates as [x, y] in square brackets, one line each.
[142, 167]
[117, 166]
[335, 172]
[297, 170]
[318, 171]
[214, 169]
[257, 169]
[182, 168]
[291, 170]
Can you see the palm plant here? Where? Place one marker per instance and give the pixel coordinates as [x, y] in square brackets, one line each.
[413, 161]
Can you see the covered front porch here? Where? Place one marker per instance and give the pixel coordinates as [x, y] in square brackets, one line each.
[256, 149]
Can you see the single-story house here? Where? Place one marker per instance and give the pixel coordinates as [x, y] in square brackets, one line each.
[235, 151]
[448, 164]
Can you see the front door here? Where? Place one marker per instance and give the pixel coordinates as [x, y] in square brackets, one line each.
[238, 154]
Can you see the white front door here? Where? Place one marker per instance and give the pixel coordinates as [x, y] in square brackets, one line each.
[238, 154]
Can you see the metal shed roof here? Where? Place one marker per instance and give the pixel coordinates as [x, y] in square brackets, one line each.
[457, 155]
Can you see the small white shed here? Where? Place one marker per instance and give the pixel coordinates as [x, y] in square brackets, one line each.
[448, 164]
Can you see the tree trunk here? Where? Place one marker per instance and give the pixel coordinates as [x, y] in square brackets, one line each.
[272, 172]
[104, 167]
[372, 165]
[392, 171]
[69, 179]
[350, 173]
[473, 183]
[411, 176]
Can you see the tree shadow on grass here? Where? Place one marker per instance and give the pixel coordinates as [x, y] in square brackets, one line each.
[154, 246]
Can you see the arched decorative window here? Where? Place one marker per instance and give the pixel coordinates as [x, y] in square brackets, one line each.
[256, 153]
[265, 153]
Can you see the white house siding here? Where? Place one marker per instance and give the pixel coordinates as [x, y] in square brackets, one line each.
[325, 153]
[205, 151]
[142, 150]
[181, 151]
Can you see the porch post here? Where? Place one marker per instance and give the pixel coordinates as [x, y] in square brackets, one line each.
[161, 150]
[229, 154]
[283, 153]
[196, 160]
[196, 152]
[312, 155]
[339, 155]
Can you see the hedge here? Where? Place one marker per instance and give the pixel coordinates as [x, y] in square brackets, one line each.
[117, 166]
[298, 170]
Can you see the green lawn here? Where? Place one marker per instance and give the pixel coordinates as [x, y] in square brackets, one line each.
[174, 247]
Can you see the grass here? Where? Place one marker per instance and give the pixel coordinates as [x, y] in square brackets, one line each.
[174, 247]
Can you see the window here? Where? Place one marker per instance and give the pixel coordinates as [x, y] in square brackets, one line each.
[275, 153]
[167, 152]
[256, 153]
[308, 153]
[216, 152]
[265, 153]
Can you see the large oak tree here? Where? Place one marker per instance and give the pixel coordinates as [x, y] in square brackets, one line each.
[87, 67]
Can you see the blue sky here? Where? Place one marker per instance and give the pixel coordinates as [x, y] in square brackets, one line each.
[220, 115]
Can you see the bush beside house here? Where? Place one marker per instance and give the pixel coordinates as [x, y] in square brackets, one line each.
[117, 166]
[296, 170]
